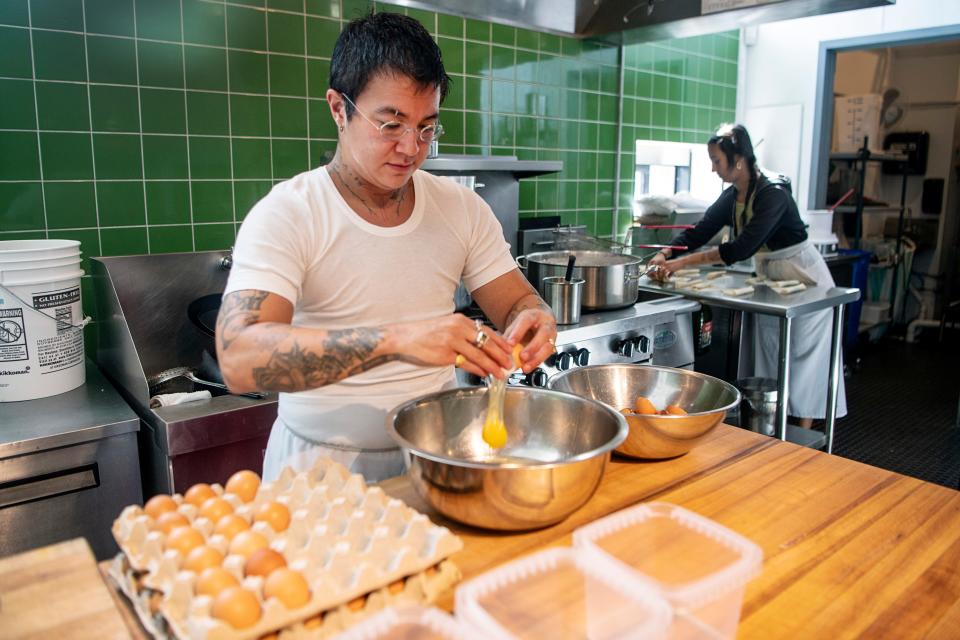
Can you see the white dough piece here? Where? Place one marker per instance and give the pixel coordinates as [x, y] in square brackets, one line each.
[757, 280]
[740, 291]
[713, 275]
[790, 289]
[783, 283]
[702, 286]
[687, 272]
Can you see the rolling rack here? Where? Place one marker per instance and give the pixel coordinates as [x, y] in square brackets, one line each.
[858, 161]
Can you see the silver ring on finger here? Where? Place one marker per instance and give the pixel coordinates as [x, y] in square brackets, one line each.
[481, 339]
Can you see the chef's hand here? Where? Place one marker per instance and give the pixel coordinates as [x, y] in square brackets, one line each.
[536, 329]
[453, 339]
[658, 268]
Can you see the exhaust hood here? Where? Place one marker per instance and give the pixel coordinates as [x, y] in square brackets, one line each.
[629, 21]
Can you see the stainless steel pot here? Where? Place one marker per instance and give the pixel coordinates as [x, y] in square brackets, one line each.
[610, 279]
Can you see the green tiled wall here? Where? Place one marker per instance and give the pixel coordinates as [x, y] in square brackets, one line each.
[676, 90]
[142, 126]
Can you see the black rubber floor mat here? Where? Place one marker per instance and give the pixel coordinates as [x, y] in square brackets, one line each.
[903, 404]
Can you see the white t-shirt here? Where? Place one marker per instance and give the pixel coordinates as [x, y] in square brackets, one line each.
[304, 243]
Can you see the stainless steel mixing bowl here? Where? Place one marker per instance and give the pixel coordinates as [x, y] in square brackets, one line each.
[557, 448]
[705, 399]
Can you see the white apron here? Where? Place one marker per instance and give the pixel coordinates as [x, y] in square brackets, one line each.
[809, 334]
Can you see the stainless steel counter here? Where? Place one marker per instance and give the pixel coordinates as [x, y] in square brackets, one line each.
[785, 307]
[467, 163]
[68, 465]
[763, 299]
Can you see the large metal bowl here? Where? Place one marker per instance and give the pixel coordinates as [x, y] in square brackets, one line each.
[557, 448]
[705, 399]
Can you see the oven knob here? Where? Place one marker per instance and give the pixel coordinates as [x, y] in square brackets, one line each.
[538, 378]
[625, 348]
[643, 343]
[582, 357]
[564, 360]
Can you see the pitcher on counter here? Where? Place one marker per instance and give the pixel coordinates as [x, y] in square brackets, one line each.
[767, 226]
[341, 294]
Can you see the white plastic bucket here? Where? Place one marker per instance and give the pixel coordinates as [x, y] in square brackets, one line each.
[41, 319]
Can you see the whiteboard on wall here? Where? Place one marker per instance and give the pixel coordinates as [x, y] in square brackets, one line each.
[780, 128]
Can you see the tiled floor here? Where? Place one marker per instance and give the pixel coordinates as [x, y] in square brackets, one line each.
[903, 401]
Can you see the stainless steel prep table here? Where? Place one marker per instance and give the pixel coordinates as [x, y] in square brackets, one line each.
[68, 465]
[785, 307]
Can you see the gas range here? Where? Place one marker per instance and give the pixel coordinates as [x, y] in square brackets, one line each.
[629, 335]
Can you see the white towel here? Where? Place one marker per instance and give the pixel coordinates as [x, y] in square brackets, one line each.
[170, 399]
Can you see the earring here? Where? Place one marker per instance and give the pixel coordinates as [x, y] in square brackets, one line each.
[739, 164]
[341, 128]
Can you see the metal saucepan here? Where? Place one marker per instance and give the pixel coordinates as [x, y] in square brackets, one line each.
[610, 279]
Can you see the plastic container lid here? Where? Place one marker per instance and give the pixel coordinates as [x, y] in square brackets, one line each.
[403, 622]
[691, 559]
[561, 593]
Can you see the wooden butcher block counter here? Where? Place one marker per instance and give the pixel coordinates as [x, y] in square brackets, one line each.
[849, 550]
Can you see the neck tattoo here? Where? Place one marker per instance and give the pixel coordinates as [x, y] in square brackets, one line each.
[337, 170]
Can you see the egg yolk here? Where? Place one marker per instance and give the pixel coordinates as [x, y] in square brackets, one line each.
[246, 542]
[643, 405]
[202, 557]
[170, 520]
[230, 525]
[213, 580]
[184, 540]
[215, 508]
[243, 484]
[287, 586]
[274, 514]
[237, 607]
[517, 362]
[674, 410]
[263, 562]
[158, 505]
[198, 494]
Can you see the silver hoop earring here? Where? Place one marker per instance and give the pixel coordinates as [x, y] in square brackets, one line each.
[739, 165]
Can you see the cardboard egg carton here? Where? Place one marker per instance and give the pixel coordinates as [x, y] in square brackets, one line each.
[349, 541]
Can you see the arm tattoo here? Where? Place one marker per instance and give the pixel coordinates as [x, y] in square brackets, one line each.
[238, 310]
[345, 353]
[529, 301]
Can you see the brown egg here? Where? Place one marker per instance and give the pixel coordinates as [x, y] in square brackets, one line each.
[198, 494]
[626, 411]
[215, 508]
[159, 504]
[237, 607]
[263, 562]
[243, 484]
[287, 586]
[674, 410]
[202, 557]
[213, 580]
[246, 542]
[230, 525]
[184, 540]
[170, 520]
[643, 405]
[274, 514]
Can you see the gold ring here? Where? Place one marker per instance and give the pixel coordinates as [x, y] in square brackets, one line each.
[481, 339]
[459, 360]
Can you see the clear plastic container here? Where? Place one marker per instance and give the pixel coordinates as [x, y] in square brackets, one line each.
[700, 567]
[411, 622]
[559, 593]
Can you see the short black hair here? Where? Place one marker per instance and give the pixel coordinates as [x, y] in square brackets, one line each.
[733, 140]
[385, 43]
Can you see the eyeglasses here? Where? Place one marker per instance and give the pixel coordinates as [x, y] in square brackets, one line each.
[394, 131]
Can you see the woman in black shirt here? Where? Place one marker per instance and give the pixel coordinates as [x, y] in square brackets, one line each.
[767, 226]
